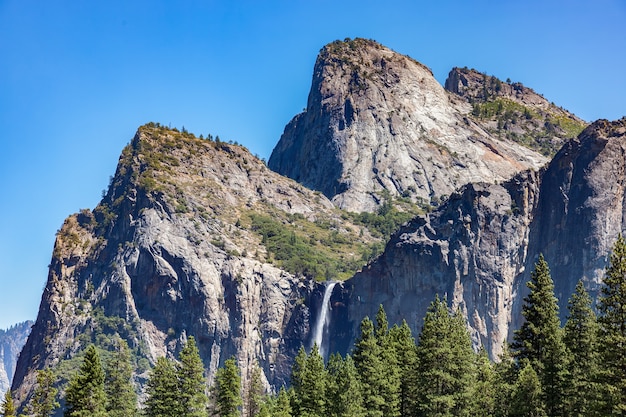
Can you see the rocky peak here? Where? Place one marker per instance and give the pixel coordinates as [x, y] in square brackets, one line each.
[510, 111]
[378, 122]
[194, 237]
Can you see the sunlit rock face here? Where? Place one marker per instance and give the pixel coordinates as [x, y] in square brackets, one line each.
[479, 248]
[377, 122]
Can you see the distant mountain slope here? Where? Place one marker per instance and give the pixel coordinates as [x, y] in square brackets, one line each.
[11, 342]
[511, 111]
[378, 121]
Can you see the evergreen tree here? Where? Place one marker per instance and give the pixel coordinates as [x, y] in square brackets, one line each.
[44, 398]
[390, 387]
[483, 392]
[527, 398]
[370, 369]
[580, 337]
[505, 378]
[254, 393]
[309, 384]
[406, 355]
[227, 390]
[445, 362]
[278, 406]
[540, 340]
[85, 396]
[612, 343]
[121, 395]
[343, 392]
[192, 385]
[163, 391]
[8, 407]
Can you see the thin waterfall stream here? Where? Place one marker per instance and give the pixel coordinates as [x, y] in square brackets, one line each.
[323, 318]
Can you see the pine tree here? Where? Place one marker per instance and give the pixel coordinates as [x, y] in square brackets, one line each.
[406, 355]
[527, 398]
[309, 384]
[44, 398]
[390, 387]
[445, 364]
[121, 395]
[612, 337]
[227, 390]
[580, 337]
[192, 385]
[483, 391]
[506, 376]
[369, 366]
[254, 393]
[8, 407]
[343, 393]
[278, 406]
[540, 339]
[163, 391]
[85, 396]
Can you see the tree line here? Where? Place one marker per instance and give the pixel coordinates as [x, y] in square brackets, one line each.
[578, 369]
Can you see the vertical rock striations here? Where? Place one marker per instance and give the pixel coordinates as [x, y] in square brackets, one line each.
[479, 248]
[377, 121]
[177, 248]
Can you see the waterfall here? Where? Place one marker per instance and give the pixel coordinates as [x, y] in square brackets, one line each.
[323, 317]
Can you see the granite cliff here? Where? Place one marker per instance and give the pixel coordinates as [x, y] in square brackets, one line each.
[11, 342]
[187, 241]
[378, 121]
[479, 247]
[198, 237]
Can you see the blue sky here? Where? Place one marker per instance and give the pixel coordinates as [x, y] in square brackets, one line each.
[78, 77]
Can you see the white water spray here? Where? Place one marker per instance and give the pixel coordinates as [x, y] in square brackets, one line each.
[323, 318]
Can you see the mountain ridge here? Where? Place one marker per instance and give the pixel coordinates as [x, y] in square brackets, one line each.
[198, 237]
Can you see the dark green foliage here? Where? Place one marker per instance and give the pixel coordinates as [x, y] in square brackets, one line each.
[343, 393]
[369, 365]
[484, 389]
[44, 398]
[119, 388]
[162, 391]
[612, 343]
[7, 407]
[85, 396]
[308, 381]
[527, 398]
[254, 393]
[192, 385]
[390, 388]
[406, 356]
[539, 341]
[580, 339]
[446, 365]
[227, 390]
[319, 253]
[278, 406]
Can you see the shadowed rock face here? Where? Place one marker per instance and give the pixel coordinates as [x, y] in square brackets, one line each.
[479, 248]
[379, 121]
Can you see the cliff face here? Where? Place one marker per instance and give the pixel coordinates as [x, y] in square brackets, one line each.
[11, 342]
[479, 248]
[178, 247]
[513, 112]
[379, 121]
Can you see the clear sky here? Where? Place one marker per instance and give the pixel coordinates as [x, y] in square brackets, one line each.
[78, 77]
